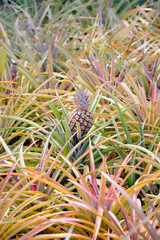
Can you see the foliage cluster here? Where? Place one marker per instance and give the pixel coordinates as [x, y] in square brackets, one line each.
[106, 186]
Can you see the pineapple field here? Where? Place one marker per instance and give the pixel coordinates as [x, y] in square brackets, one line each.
[80, 119]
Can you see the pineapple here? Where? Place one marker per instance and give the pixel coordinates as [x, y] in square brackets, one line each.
[81, 114]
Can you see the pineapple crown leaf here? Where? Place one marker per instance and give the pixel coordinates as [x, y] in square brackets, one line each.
[82, 99]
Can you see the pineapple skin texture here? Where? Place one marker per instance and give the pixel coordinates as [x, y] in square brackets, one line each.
[81, 118]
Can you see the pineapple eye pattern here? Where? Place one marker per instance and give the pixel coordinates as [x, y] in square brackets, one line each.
[81, 120]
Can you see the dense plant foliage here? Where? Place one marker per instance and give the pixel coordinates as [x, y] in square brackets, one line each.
[106, 184]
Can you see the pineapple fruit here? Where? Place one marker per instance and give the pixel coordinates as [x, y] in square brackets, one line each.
[81, 114]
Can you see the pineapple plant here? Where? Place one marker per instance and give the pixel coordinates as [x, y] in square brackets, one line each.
[81, 115]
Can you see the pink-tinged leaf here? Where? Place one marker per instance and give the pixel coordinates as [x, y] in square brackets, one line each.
[155, 67]
[93, 175]
[143, 98]
[138, 211]
[152, 204]
[126, 216]
[138, 202]
[131, 171]
[112, 67]
[102, 192]
[112, 225]
[82, 180]
[46, 223]
[154, 90]
[97, 223]
[59, 236]
[123, 164]
[134, 217]
[80, 203]
[70, 232]
[157, 109]
[100, 71]
[134, 99]
[140, 93]
[117, 222]
[50, 67]
[111, 192]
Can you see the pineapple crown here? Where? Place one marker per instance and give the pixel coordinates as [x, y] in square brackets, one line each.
[82, 99]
